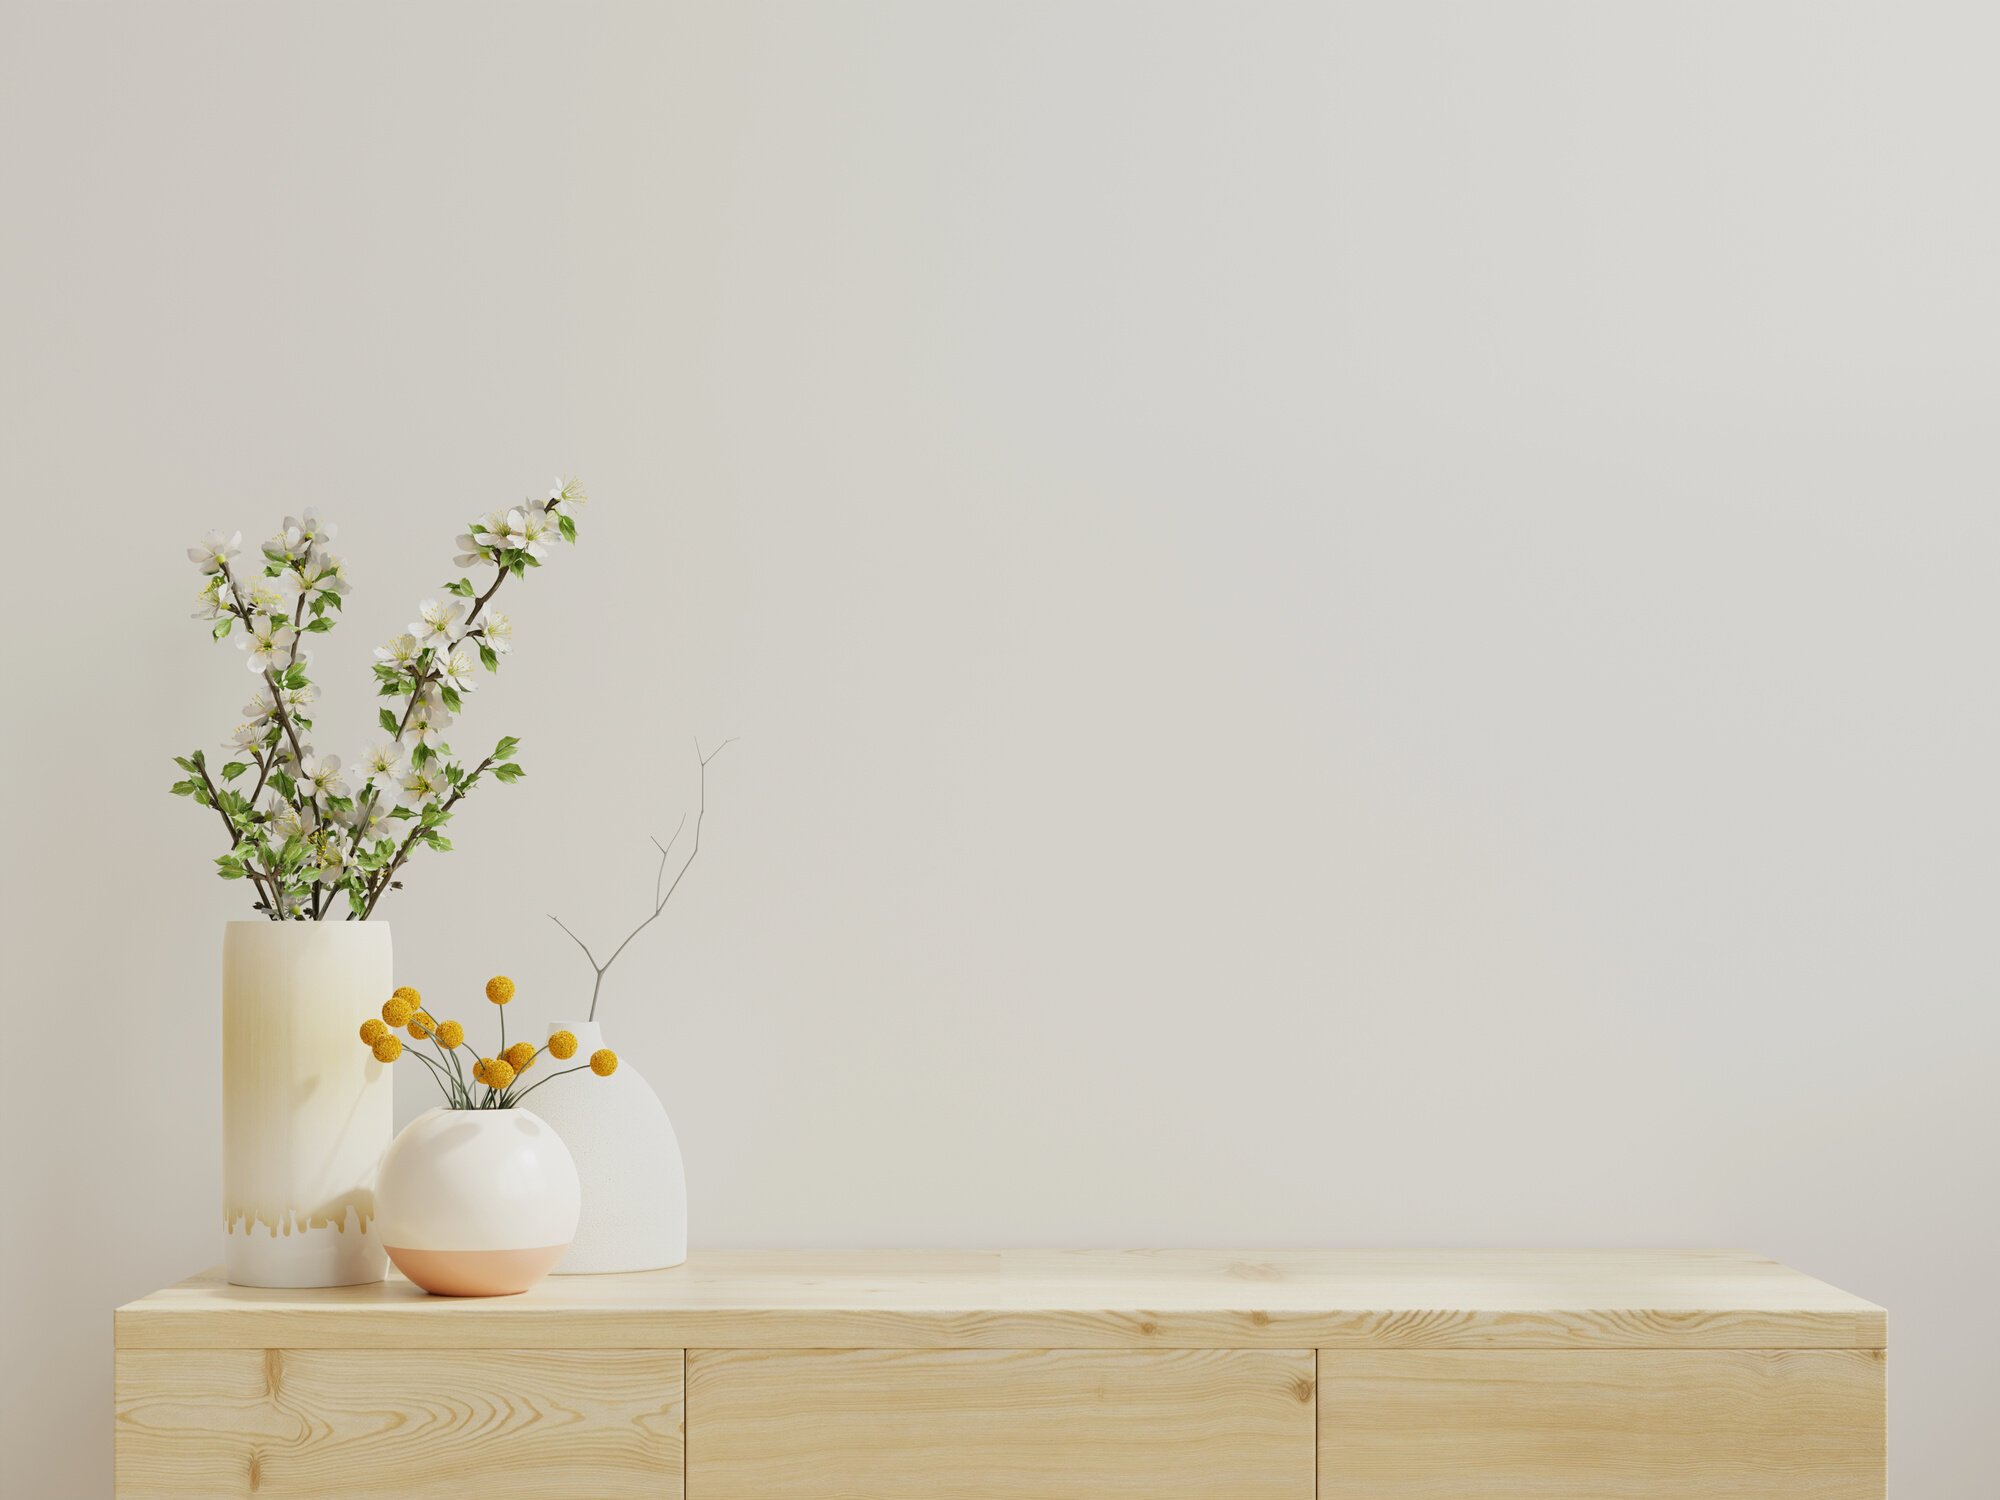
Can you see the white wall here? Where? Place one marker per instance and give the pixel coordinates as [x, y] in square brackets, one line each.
[1350, 625]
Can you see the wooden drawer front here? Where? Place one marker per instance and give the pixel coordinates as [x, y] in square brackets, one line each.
[353, 1424]
[1601, 1425]
[962, 1424]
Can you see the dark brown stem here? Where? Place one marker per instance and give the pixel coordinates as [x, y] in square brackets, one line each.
[236, 840]
[389, 870]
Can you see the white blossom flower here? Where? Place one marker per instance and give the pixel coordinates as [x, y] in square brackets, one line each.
[249, 735]
[215, 551]
[528, 530]
[328, 571]
[401, 652]
[439, 623]
[266, 596]
[322, 774]
[269, 644]
[369, 820]
[299, 698]
[317, 571]
[286, 822]
[539, 527]
[506, 535]
[497, 631]
[382, 759]
[334, 861]
[311, 527]
[454, 669]
[425, 783]
[297, 537]
[259, 710]
[567, 492]
[426, 727]
[215, 598]
[474, 547]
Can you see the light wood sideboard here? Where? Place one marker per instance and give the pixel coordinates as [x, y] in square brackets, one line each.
[1043, 1375]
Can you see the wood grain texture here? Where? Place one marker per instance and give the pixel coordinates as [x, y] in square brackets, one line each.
[858, 1424]
[1088, 1299]
[1601, 1425]
[414, 1424]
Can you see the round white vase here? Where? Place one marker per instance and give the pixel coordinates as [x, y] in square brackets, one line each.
[477, 1202]
[628, 1159]
[306, 1111]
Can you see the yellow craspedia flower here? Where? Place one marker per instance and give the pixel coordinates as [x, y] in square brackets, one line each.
[499, 989]
[479, 1070]
[397, 1011]
[421, 1025]
[451, 1033]
[409, 993]
[562, 1046]
[372, 1031]
[388, 1048]
[499, 1073]
[604, 1062]
[520, 1056]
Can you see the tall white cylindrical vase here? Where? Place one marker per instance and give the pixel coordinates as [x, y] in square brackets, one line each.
[306, 1111]
[628, 1161]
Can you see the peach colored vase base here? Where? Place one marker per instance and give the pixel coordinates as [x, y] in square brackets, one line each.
[476, 1273]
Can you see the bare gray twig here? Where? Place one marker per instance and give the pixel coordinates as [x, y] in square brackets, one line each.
[660, 899]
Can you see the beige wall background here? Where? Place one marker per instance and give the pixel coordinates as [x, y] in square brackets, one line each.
[1357, 624]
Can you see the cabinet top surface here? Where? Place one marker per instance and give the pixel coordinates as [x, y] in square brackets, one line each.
[1520, 1299]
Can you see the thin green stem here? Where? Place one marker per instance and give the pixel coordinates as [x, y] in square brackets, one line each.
[581, 1068]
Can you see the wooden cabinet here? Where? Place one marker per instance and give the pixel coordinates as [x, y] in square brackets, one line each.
[420, 1424]
[977, 1424]
[1280, 1375]
[1597, 1424]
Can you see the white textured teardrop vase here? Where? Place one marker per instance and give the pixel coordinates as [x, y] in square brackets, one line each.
[627, 1160]
[306, 1110]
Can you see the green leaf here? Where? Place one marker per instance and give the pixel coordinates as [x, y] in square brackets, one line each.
[507, 746]
[451, 699]
[438, 842]
[183, 762]
[319, 625]
[234, 769]
[387, 720]
[462, 587]
[222, 626]
[517, 564]
[287, 788]
[199, 759]
[419, 753]
[487, 658]
[509, 772]
[567, 527]
[330, 599]
[295, 675]
[183, 788]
